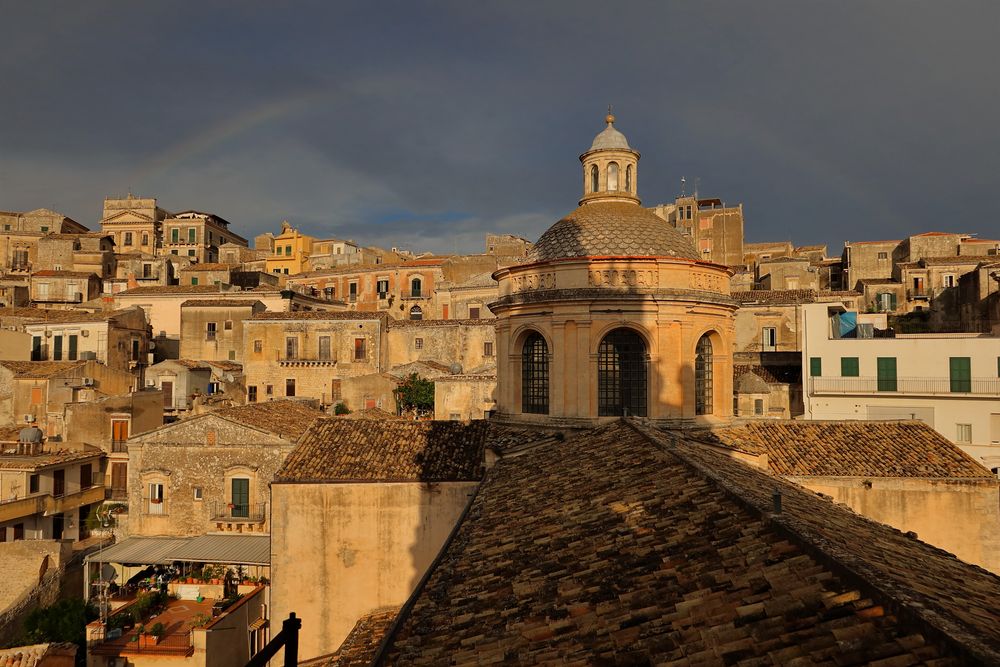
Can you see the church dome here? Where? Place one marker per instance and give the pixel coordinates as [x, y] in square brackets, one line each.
[609, 137]
[611, 228]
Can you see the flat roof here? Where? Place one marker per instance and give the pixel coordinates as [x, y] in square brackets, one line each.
[228, 549]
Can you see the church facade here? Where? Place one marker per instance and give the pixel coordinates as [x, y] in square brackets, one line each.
[614, 314]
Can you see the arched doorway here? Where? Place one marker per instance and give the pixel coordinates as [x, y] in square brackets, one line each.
[416, 313]
[704, 396]
[535, 375]
[621, 375]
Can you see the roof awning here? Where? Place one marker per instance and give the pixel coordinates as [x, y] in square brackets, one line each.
[227, 549]
[140, 551]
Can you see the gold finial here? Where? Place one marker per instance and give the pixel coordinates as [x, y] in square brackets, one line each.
[610, 118]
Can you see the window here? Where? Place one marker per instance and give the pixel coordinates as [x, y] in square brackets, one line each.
[612, 176]
[18, 531]
[194, 281]
[415, 286]
[155, 505]
[252, 394]
[883, 255]
[628, 178]
[704, 397]
[288, 251]
[416, 313]
[488, 348]
[228, 326]
[57, 344]
[688, 212]
[240, 497]
[886, 302]
[768, 339]
[198, 493]
[190, 252]
[175, 235]
[535, 375]
[86, 476]
[382, 287]
[949, 281]
[191, 234]
[36, 348]
[594, 181]
[59, 483]
[71, 355]
[258, 346]
[269, 389]
[885, 368]
[147, 270]
[418, 343]
[815, 367]
[849, 367]
[758, 406]
[210, 331]
[232, 355]
[359, 349]
[45, 229]
[621, 375]
[289, 386]
[473, 312]
[352, 292]
[961, 374]
[963, 433]
[128, 238]
[33, 484]
[324, 348]
[145, 238]
[291, 347]
[335, 390]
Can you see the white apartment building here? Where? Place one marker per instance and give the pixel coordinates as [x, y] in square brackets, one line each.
[949, 381]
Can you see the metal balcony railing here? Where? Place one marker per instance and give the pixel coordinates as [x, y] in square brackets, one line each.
[154, 506]
[255, 512]
[119, 447]
[904, 385]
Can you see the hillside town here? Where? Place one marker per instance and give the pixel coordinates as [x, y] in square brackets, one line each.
[637, 438]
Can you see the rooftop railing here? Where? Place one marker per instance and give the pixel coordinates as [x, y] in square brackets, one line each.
[913, 386]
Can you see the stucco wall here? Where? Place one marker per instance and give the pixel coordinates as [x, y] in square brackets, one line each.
[960, 517]
[341, 550]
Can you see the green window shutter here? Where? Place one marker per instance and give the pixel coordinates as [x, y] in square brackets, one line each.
[961, 374]
[886, 371]
[194, 281]
[72, 347]
[849, 367]
[815, 367]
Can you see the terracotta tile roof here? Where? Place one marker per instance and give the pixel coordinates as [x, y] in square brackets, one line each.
[50, 315]
[36, 654]
[402, 324]
[190, 364]
[210, 267]
[361, 643]
[850, 449]
[173, 289]
[878, 281]
[850, 243]
[24, 462]
[938, 234]
[289, 419]
[954, 259]
[221, 303]
[319, 315]
[818, 246]
[10, 433]
[40, 369]
[226, 365]
[614, 547]
[371, 413]
[400, 451]
[770, 374]
[64, 274]
[775, 297]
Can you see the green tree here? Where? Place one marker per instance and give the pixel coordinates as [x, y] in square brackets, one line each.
[65, 621]
[415, 393]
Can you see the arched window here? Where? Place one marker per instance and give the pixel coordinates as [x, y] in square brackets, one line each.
[621, 375]
[704, 399]
[612, 176]
[416, 313]
[594, 183]
[415, 287]
[628, 178]
[535, 375]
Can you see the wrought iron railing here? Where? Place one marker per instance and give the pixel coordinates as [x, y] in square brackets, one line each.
[239, 511]
[904, 385]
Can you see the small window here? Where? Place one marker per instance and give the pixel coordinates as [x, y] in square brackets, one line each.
[758, 406]
[269, 390]
[815, 367]
[418, 343]
[885, 370]
[488, 349]
[191, 234]
[382, 287]
[228, 325]
[594, 184]
[949, 281]
[963, 433]
[198, 493]
[190, 252]
[290, 387]
[769, 339]
[359, 349]
[883, 255]
[194, 281]
[145, 238]
[613, 176]
[232, 355]
[175, 235]
[45, 229]
[628, 178]
[128, 238]
[210, 331]
[416, 313]
[849, 367]
[473, 312]
[291, 347]
[415, 286]
[258, 346]
[33, 484]
[252, 394]
[960, 369]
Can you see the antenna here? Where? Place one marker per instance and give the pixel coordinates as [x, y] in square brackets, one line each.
[683, 183]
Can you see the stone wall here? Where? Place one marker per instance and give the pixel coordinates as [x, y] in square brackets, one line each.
[446, 342]
[32, 577]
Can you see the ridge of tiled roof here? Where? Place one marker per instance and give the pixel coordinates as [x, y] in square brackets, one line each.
[210, 267]
[879, 281]
[319, 315]
[45, 459]
[623, 546]
[49, 273]
[40, 369]
[873, 242]
[174, 289]
[362, 641]
[775, 297]
[952, 259]
[285, 418]
[399, 324]
[335, 449]
[897, 449]
[221, 303]
[52, 315]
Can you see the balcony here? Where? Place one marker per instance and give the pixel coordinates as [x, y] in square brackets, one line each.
[119, 447]
[71, 501]
[919, 294]
[299, 362]
[19, 508]
[239, 513]
[154, 506]
[415, 296]
[902, 386]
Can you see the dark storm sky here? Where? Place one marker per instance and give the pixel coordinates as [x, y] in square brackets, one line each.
[426, 125]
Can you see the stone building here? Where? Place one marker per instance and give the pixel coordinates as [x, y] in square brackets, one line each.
[63, 289]
[198, 236]
[135, 224]
[207, 274]
[180, 380]
[91, 252]
[211, 472]
[787, 273]
[289, 251]
[212, 329]
[614, 311]
[979, 298]
[754, 253]
[715, 229]
[469, 343]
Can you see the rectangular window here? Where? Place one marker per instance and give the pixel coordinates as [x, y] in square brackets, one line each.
[36, 348]
[961, 374]
[198, 493]
[288, 251]
[883, 255]
[758, 406]
[86, 476]
[963, 433]
[194, 280]
[949, 281]
[72, 347]
[290, 387]
[57, 348]
[769, 339]
[210, 331]
[815, 367]
[240, 497]
[269, 389]
[473, 312]
[291, 347]
[18, 531]
[191, 252]
[488, 349]
[885, 368]
[352, 291]
[59, 483]
[382, 287]
[849, 367]
[252, 394]
[228, 326]
[359, 349]
[191, 234]
[335, 390]
[418, 343]
[324, 348]
[128, 238]
[258, 346]
[175, 235]
[36, 395]
[147, 270]
[33, 484]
